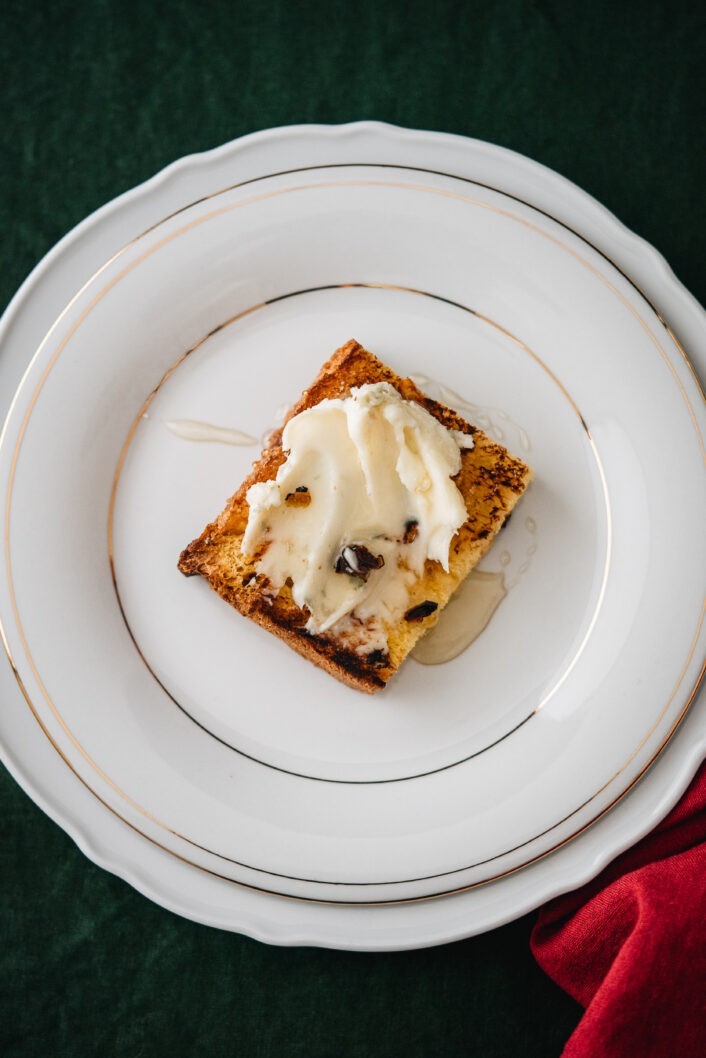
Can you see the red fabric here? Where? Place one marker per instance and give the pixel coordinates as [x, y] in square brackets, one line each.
[631, 945]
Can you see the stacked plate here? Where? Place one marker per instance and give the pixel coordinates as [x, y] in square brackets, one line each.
[194, 755]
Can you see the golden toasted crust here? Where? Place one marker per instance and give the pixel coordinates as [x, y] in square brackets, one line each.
[490, 481]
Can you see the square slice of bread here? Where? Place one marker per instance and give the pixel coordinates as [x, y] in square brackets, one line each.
[490, 481]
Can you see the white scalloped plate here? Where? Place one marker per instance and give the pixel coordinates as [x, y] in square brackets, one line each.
[456, 775]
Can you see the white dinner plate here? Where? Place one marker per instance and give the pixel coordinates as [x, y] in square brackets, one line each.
[206, 736]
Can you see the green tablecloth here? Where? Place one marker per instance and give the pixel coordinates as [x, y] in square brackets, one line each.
[97, 96]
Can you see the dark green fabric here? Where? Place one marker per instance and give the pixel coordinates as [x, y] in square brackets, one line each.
[98, 95]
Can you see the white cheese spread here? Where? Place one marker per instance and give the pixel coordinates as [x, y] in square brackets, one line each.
[364, 498]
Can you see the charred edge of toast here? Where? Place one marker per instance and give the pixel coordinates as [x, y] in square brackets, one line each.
[281, 616]
[350, 366]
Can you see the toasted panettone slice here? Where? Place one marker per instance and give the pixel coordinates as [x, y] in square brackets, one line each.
[490, 481]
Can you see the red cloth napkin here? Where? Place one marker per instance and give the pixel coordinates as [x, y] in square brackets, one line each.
[631, 945]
